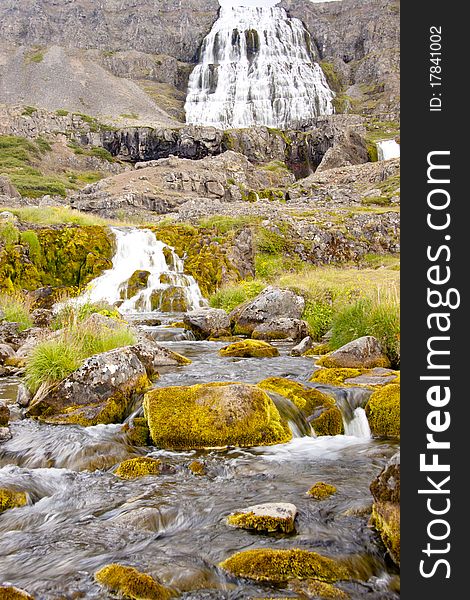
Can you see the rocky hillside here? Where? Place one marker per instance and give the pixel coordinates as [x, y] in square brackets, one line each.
[132, 65]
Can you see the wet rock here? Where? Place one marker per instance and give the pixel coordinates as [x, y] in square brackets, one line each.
[281, 329]
[153, 356]
[131, 583]
[139, 467]
[208, 323]
[98, 392]
[137, 282]
[213, 415]
[321, 490]
[249, 349]
[42, 317]
[377, 376]
[363, 353]
[5, 434]
[23, 396]
[197, 468]
[272, 516]
[145, 519]
[4, 415]
[271, 304]
[170, 299]
[11, 335]
[302, 347]
[13, 593]
[312, 588]
[6, 352]
[32, 338]
[383, 411]
[386, 509]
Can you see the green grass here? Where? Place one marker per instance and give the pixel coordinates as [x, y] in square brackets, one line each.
[62, 113]
[101, 153]
[225, 224]
[17, 309]
[71, 315]
[54, 359]
[30, 239]
[9, 234]
[55, 215]
[229, 297]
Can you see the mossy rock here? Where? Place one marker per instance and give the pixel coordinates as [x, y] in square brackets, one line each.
[139, 467]
[268, 517]
[213, 415]
[10, 499]
[318, 589]
[321, 490]
[283, 565]
[336, 376]
[197, 468]
[138, 433]
[137, 282]
[309, 400]
[13, 593]
[131, 583]
[386, 520]
[170, 299]
[318, 350]
[250, 349]
[383, 411]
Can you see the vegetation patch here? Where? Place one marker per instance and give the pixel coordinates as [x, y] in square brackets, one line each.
[17, 309]
[383, 411]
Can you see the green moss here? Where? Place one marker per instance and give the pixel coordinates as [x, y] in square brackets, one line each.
[28, 111]
[306, 399]
[10, 499]
[61, 112]
[197, 468]
[329, 362]
[321, 490]
[139, 467]
[332, 76]
[319, 589]
[386, 520]
[383, 411]
[318, 350]
[283, 565]
[282, 134]
[335, 376]
[13, 593]
[330, 422]
[131, 583]
[138, 434]
[213, 415]
[249, 520]
[249, 349]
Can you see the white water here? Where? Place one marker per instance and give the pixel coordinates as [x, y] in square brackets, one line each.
[139, 250]
[358, 426]
[388, 149]
[256, 69]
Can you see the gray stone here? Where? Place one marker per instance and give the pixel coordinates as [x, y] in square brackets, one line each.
[42, 317]
[281, 329]
[5, 435]
[365, 352]
[302, 347]
[4, 415]
[153, 356]
[6, 352]
[208, 322]
[271, 516]
[23, 396]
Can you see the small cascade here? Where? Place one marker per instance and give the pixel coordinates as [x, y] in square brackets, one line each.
[257, 68]
[295, 418]
[358, 426]
[387, 149]
[147, 275]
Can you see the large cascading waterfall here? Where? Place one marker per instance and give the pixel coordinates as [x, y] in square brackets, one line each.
[256, 68]
[387, 149]
[147, 275]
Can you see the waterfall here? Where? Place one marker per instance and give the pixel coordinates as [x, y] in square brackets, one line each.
[387, 149]
[147, 275]
[256, 68]
[296, 420]
[358, 426]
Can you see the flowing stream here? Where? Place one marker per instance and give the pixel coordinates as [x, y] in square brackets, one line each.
[81, 516]
[256, 68]
[387, 149]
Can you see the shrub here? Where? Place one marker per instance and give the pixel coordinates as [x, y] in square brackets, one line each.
[318, 316]
[102, 153]
[9, 234]
[17, 309]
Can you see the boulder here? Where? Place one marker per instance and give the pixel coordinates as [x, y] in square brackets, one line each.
[11, 334]
[31, 340]
[281, 329]
[23, 396]
[100, 391]
[271, 304]
[272, 516]
[249, 349]
[5, 434]
[376, 376]
[4, 415]
[127, 582]
[170, 299]
[363, 353]
[383, 411]
[153, 356]
[137, 282]
[139, 467]
[321, 490]
[386, 509]
[6, 352]
[208, 323]
[213, 415]
[305, 344]
[42, 317]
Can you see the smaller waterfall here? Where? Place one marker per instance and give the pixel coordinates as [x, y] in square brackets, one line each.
[160, 283]
[358, 426]
[387, 149]
[296, 420]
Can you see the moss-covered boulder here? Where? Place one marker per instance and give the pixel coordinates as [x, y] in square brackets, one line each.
[335, 376]
[249, 349]
[385, 518]
[321, 410]
[136, 283]
[100, 391]
[139, 467]
[208, 323]
[131, 583]
[213, 415]
[283, 565]
[197, 468]
[363, 353]
[269, 517]
[321, 490]
[13, 593]
[313, 588]
[10, 499]
[383, 411]
[138, 432]
[170, 299]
